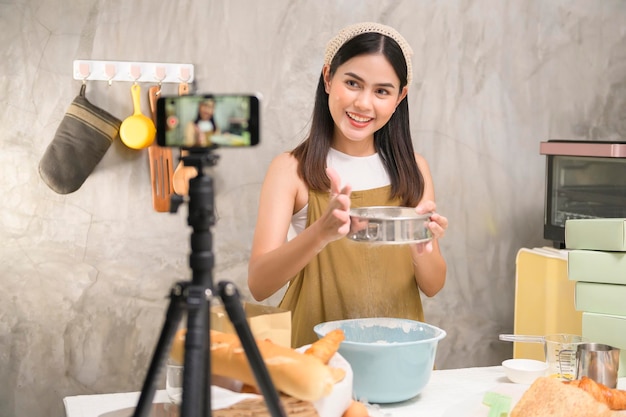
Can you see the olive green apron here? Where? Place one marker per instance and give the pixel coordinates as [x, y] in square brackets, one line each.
[350, 279]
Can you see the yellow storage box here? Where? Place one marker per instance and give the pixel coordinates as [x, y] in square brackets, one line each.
[544, 299]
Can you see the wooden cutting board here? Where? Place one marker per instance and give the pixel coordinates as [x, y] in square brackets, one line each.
[247, 408]
[257, 408]
[161, 159]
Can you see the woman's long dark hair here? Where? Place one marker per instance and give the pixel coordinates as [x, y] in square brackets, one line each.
[392, 142]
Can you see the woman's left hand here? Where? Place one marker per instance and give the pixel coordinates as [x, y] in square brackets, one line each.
[437, 225]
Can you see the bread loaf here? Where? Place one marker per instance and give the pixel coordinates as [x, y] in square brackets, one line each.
[548, 397]
[301, 376]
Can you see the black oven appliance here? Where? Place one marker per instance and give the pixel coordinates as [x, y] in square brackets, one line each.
[584, 179]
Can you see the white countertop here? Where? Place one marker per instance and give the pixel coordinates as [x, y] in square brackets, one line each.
[448, 393]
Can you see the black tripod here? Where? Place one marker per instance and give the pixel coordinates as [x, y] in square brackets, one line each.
[194, 297]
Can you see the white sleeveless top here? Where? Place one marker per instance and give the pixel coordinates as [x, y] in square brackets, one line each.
[361, 172]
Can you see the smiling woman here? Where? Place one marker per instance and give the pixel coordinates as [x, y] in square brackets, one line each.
[360, 132]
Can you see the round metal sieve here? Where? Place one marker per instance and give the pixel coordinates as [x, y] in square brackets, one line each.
[388, 225]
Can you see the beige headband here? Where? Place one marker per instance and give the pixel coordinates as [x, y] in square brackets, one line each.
[351, 31]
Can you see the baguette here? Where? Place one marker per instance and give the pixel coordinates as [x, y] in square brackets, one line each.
[177, 354]
[327, 346]
[304, 377]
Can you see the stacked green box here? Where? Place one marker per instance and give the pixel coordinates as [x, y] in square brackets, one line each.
[597, 262]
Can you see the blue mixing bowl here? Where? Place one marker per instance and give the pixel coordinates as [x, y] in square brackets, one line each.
[392, 359]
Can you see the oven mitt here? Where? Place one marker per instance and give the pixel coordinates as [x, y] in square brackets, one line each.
[81, 140]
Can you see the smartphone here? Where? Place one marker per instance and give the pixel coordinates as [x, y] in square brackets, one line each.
[208, 120]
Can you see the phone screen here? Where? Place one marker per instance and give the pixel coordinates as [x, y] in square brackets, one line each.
[208, 120]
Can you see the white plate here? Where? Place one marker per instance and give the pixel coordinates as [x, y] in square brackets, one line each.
[334, 404]
[474, 407]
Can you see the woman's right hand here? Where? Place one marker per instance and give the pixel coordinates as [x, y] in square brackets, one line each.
[335, 222]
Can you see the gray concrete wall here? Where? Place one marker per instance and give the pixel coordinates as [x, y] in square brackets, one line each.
[85, 275]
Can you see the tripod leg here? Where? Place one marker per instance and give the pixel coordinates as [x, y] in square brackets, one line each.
[230, 296]
[172, 319]
[196, 386]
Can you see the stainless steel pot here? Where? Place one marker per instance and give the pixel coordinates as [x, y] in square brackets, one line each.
[388, 225]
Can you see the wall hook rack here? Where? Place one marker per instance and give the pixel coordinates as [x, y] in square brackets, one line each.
[112, 71]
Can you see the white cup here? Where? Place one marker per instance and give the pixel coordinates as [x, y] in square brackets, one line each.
[174, 382]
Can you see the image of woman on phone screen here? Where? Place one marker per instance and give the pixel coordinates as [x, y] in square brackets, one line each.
[199, 131]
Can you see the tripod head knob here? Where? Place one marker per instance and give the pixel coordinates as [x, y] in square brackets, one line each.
[200, 157]
[175, 202]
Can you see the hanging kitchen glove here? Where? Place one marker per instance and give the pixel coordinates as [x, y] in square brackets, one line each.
[81, 140]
